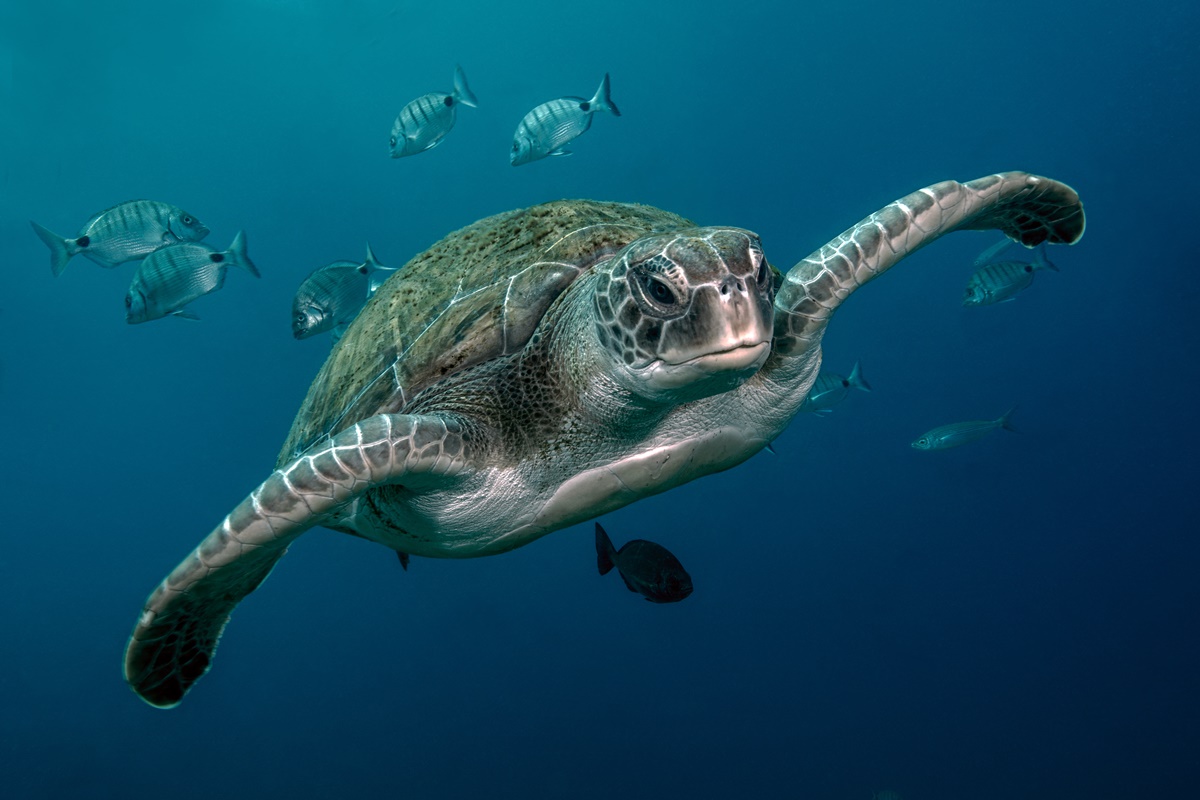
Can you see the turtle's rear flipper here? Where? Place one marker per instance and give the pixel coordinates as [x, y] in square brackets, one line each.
[174, 640]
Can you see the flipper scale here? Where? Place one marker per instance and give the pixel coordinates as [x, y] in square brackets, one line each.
[173, 643]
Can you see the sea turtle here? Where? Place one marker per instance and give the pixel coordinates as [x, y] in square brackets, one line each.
[542, 367]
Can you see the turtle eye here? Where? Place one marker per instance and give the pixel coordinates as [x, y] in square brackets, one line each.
[657, 289]
[764, 272]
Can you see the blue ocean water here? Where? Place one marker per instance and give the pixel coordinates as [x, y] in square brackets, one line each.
[1016, 618]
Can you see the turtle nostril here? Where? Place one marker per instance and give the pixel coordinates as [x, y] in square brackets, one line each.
[731, 282]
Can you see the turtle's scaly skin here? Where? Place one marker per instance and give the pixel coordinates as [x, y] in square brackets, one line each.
[479, 423]
[475, 295]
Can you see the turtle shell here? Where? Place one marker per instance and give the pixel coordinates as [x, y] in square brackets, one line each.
[477, 294]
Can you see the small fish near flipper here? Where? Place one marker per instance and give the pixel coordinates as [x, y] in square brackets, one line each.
[171, 278]
[1001, 281]
[126, 232]
[331, 296]
[424, 122]
[545, 129]
[830, 389]
[647, 568]
[960, 433]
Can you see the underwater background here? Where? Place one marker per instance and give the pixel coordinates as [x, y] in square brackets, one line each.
[1013, 618]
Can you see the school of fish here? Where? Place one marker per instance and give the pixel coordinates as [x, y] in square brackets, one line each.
[177, 268]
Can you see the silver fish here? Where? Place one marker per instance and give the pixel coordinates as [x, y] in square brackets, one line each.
[830, 389]
[174, 276]
[424, 122]
[332, 295]
[647, 568]
[545, 129]
[959, 433]
[125, 232]
[1000, 282]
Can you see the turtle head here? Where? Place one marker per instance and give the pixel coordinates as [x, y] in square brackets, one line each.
[687, 314]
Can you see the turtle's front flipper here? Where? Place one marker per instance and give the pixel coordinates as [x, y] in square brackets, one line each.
[1027, 208]
[172, 644]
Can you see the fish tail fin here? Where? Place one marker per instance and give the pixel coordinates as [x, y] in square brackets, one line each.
[462, 92]
[856, 378]
[239, 257]
[1041, 261]
[61, 249]
[1005, 421]
[372, 263]
[604, 550]
[603, 100]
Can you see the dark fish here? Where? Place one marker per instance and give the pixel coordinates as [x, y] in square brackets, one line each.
[548, 127]
[647, 568]
[125, 232]
[831, 389]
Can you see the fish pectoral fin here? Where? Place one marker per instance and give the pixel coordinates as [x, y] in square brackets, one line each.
[559, 152]
[184, 315]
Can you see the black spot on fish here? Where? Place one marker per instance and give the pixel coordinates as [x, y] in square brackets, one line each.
[845, 383]
[216, 258]
[83, 241]
[449, 101]
[1029, 267]
[585, 106]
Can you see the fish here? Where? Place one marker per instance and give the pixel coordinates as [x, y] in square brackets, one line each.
[647, 568]
[126, 232]
[331, 296]
[1000, 282]
[548, 127]
[423, 123]
[174, 276]
[830, 389]
[960, 433]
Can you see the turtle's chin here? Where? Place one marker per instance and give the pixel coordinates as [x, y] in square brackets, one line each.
[702, 375]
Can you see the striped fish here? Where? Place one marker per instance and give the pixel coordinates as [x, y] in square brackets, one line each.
[1000, 282]
[174, 276]
[332, 295]
[125, 232]
[831, 389]
[545, 129]
[424, 122]
[959, 433]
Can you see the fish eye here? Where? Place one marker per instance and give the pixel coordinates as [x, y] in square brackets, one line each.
[187, 220]
[128, 302]
[392, 141]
